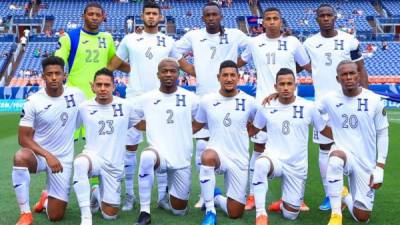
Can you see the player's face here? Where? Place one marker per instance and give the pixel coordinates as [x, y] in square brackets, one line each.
[348, 76]
[168, 73]
[285, 86]
[93, 18]
[272, 21]
[103, 87]
[228, 78]
[54, 77]
[212, 17]
[151, 17]
[326, 18]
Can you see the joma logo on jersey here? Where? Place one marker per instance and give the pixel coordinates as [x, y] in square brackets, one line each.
[117, 110]
[102, 42]
[298, 111]
[223, 39]
[160, 41]
[180, 99]
[240, 104]
[69, 99]
[148, 53]
[339, 44]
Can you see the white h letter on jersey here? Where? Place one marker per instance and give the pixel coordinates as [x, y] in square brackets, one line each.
[179, 99]
[360, 104]
[70, 100]
[117, 109]
[242, 104]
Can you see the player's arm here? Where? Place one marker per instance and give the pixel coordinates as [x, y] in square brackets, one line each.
[141, 125]
[302, 59]
[259, 122]
[196, 126]
[363, 73]
[356, 56]
[186, 66]
[63, 48]
[25, 139]
[116, 58]
[117, 63]
[241, 62]
[327, 132]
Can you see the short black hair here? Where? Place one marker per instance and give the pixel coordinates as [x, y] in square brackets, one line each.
[104, 71]
[228, 64]
[153, 5]
[325, 5]
[284, 71]
[272, 9]
[53, 60]
[93, 4]
[212, 4]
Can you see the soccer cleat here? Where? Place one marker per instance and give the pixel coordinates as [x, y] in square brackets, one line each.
[94, 202]
[144, 218]
[86, 221]
[325, 205]
[262, 220]
[209, 219]
[164, 203]
[199, 204]
[345, 193]
[336, 219]
[275, 206]
[39, 206]
[129, 203]
[250, 203]
[217, 192]
[25, 219]
[304, 207]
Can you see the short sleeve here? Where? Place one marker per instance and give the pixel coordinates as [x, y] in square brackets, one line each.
[260, 120]
[182, 46]
[63, 47]
[355, 50]
[122, 51]
[318, 121]
[195, 105]
[28, 114]
[244, 40]
[246, 54]
[380, 118]
[111, 50]
[300, 54]
[201, 114]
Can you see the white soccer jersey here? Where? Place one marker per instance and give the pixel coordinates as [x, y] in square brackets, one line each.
[226, 118]
[209, 51]
[325, 55]
[169, 124]
[354, 122]
[54, 120]
[287, 131]
[269, 56]
[144, 51]
[106, 129]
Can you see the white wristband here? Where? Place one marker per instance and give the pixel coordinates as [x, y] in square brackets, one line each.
[377, 175]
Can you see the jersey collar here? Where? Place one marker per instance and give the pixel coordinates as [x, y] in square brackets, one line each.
[88, 32]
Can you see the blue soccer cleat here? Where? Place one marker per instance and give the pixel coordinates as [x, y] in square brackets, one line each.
[209, 219]
[217, 192]
[325, 205]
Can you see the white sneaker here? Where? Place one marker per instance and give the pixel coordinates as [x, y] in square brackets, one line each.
[199, 204]
[164, 203]
[94, 202]
[129, 203]
[86, 221]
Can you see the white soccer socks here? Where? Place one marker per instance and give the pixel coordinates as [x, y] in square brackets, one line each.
[254, 156]
[162, 184]
[323, 164]
[21, 181]
[334, 177]
[82, 186]
[207, 185]
[200, 147]
[262, 167]
[130, 167]
[146, 179]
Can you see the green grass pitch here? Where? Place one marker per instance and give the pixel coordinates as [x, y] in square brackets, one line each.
[385, 209]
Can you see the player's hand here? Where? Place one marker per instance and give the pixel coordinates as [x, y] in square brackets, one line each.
[376, 178]
[54, 163]
[268, 99]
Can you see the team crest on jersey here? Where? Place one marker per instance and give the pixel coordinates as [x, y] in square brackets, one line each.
[58, 45]
[102, 42]
[384, 112]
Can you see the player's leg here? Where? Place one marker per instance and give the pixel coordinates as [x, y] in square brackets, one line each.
[263, 168]
[133, 140]
[83, 166]
[149, 161]
[110, 190]
[209, 162]
[334, 175]
[259, 141]
[24, 163]
[180, 183]
[324, 148]
[58, 186]
[201, 144]
[292, 194]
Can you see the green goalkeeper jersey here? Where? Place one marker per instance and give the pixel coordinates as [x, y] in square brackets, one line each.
[85, 53]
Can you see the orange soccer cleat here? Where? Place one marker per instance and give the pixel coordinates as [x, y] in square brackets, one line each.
[275, 206]
[39, 206]
[250, 203]
[25, 219]
[262, 220]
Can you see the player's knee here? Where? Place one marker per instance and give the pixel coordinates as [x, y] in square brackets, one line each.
[235, 214]
[338, 153]
[106, 216]
[22, 157]
[289, 211]
[179, 212]
[201, 145]
[209, 158]
[360, 214]
[148, 159]
[55, 216]
[336, 163]
[259, 147]
[109, 211]
[81, 164]
[263, 165]
[131, 148]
